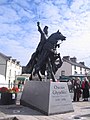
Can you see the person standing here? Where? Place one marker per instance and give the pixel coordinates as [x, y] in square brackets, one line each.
[85, 88]
[77, 90]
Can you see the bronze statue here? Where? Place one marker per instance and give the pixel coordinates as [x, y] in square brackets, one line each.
[34, 57]
[45, 57]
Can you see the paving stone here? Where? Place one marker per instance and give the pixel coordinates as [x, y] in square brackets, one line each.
[81, 112]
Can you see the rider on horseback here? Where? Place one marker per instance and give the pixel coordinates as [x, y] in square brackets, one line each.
[44, 36]
[45, 57]
[35, 55]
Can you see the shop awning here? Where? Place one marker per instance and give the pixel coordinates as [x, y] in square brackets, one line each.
[21, 78]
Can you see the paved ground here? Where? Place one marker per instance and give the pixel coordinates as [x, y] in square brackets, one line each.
[81, 112]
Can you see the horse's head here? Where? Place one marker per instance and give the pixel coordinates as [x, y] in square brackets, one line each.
[59, 36]
[55, 37]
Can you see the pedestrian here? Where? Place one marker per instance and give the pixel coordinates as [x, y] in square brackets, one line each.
[19, 85]
[85, 88]
[69, 83]
[77, 90]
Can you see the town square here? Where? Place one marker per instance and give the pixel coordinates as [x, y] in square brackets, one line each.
[44, 60]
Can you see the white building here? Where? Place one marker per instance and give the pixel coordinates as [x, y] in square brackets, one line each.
[70, 67]
[3, 82]
[9, 68]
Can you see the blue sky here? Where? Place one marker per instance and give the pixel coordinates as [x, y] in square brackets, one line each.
[19, 36]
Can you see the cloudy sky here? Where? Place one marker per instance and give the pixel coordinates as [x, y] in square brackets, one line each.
[19, 36]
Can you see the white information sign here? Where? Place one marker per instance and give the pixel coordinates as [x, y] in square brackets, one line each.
[60, 100]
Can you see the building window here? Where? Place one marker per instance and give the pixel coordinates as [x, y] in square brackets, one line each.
[18, 73]
[15, 73]
[62, 72]
[80, 68]
[9, 73]
[75, 72]
[9, 84]
[74, 67]
[81, 72]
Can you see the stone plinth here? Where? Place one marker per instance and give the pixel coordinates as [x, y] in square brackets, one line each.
[47, 97]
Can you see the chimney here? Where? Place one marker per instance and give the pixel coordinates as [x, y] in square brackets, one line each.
[82, 63]
[66, 57]
[13, 60]
[74, 59]
[9, 57]
[18, 62]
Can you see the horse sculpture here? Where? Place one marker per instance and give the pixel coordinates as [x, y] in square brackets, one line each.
[48, 57]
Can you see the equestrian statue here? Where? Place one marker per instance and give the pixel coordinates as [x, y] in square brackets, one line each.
[45, 58]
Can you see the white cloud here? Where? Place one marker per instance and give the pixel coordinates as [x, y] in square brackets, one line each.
[19, 36]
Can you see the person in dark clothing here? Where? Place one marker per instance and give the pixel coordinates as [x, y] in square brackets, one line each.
[85, 87]
[77, 90]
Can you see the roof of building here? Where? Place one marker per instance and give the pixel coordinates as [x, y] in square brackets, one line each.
[73, 61]
[8, 58]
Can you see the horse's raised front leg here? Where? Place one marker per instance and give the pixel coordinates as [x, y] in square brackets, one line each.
[39, 76]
